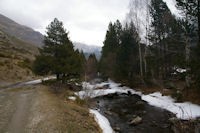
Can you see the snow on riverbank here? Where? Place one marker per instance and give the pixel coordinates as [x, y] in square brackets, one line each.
[102, 121]
[184, 110]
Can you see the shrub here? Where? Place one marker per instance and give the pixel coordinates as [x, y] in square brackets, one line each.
[25, 64]
[80, 101]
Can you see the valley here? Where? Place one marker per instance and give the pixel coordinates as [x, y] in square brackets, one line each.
[141, 75]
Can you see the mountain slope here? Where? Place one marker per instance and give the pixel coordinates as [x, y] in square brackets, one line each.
[19, 31]
[16, 57]
[88, 49]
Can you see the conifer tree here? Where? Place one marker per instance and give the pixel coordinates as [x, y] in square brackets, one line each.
[111, 44]
[58, 53]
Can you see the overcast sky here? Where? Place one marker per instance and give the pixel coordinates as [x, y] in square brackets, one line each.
[86, 20]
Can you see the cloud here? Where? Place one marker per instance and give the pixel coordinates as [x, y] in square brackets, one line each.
[86, 20]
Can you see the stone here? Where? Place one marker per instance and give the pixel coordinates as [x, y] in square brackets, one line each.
[117, 129]
[136, 121]
[144, 112]
[108, 112]
[173, 120]
[140, 102]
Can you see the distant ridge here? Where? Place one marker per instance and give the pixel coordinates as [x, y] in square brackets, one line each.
[19, 31]
[88, 49]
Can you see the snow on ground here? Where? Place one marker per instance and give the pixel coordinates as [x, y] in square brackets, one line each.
[102, 121]
[39, 80]
[72, 98]
[87, 85]
[184, 110]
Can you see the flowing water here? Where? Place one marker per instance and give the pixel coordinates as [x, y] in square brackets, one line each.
[121, 109]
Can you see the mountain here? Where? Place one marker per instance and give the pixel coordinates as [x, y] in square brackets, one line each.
[19, 31]
[88, 49]
[16, 57]
[29, 36]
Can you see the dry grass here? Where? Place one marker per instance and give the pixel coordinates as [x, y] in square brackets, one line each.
[192, 95]
[14, 55]
[153, 89]
[63, 116]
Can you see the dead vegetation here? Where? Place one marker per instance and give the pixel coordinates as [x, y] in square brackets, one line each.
[58, 114]
[16, 58]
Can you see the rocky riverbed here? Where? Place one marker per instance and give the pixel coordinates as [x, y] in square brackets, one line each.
[128, 113]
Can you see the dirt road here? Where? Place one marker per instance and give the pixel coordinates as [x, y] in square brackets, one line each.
[15, 109]
[35, 109]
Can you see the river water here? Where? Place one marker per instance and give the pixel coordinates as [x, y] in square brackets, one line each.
[121, 109]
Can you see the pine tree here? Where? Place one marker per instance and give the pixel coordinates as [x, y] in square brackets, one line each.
[111, 44]
[165, 35]
[91, 67]
[58, 53]
[189, 10]
[127, 60]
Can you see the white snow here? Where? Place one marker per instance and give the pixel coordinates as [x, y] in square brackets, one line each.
[72, 98]
[87, 85]
[180, 70]
[102, 121]
[184, 110]
[39, 80]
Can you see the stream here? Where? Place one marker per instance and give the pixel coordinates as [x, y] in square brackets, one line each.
[122, 109]
[131, 111]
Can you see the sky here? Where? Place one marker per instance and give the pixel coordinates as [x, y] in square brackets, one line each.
[85, 20]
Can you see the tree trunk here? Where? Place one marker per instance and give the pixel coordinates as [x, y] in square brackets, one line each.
[147, 41]
[198, 7]
[57, 76]
[187, 59]
[140, 56]
[187, 56]
[145, 61]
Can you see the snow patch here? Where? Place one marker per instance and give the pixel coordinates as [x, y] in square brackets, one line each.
[180, 70]
[72, 98]
[89, 86]
[39, 80]
[102, 121]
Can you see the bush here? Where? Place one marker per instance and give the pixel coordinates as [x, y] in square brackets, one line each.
[49, 82]
[177, 95]
[25, 64]
[2, 55]
[80, 101]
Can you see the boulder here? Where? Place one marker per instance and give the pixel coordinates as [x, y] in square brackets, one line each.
[108, 112]
[117, 129]
[173, 120]
[140, 102]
